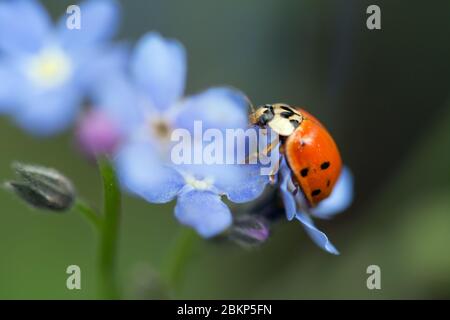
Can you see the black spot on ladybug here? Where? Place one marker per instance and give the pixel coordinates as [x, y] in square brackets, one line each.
[325, 165]
[316, 192]
[287, 114]
[328, 182]
[304, 172]
[295, 123]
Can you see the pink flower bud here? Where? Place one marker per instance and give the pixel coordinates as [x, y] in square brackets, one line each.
[97, 134]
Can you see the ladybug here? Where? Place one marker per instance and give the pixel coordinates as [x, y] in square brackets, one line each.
[310, 151]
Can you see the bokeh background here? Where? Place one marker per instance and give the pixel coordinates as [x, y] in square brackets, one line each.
[383, 94]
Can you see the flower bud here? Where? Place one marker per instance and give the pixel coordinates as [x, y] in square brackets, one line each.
[249, 230]
[42, 188]
[97, 134]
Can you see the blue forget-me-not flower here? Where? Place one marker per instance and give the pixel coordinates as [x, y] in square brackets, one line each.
[47, 70]
[198, 188]
[147, 103]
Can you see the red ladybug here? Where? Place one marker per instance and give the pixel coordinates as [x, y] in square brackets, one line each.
[310, 151]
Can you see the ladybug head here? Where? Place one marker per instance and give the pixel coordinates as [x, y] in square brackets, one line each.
[262, 115]
[280, 117]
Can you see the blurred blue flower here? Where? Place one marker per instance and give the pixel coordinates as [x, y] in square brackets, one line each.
[47, 71]
[198, 188]
[147, 103]
[147, 100]
[296, 206]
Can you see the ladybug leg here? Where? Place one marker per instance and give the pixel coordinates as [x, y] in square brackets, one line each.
[274, 171]
[265, 152]
[296, 187]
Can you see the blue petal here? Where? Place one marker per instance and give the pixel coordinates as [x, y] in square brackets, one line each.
[159, 67]
[116, 97]
[141, 172]
[24, 26]
[290, 205]
[47, 113]
[10, 82]
[99, 22]
[204, 211]
[95, 66]
[316, 235]
[217, 108]
[240, 183]
[339, 200]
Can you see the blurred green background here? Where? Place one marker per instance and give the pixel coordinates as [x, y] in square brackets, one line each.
[383, 94]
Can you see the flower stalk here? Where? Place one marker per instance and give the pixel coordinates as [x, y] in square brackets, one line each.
[90, 214]
[47, 189]
[109, 230]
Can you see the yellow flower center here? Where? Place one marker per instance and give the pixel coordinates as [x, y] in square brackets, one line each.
[49, 68]
[161, 129]
[204, 184]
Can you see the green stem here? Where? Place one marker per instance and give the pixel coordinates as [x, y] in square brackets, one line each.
[89, 214]
[110, 229]
[177, 259]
